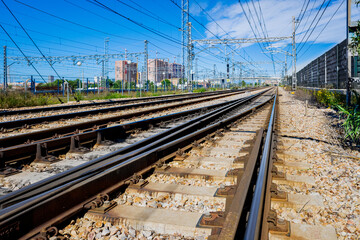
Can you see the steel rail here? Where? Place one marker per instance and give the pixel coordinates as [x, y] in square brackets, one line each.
[31, 215]
[27, 151]
[86, 126]
[235, 222]
[37, 120]
[109, 102]
[23, 193]
[253, 227]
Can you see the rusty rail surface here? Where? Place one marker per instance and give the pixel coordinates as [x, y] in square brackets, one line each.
[254, 223]
[84, 126]
[49, 202]
[104, 103]
[21, 123]
[55, 140]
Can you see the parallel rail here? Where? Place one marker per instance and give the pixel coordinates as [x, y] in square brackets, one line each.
[88, 135]
[5, 126]
[103, 103]
[46, 203]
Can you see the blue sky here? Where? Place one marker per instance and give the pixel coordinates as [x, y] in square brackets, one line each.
[86, 25]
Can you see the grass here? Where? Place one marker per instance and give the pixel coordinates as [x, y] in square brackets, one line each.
[13, 99]
[351, 124]
[337, 101]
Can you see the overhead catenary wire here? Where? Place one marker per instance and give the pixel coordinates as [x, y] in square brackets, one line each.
[115, 22]
[31, 39]
[312, 22]
[29, 62]
[75, 23]
[252, 29]
[302, 13]
[99, 4]
[323, 28]
[207, 14]
[190, 15]
[151, 15]
[315, 26]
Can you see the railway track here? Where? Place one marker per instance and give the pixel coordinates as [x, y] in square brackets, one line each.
[191, 181]
[7, 113]
[45, 146]
[54, 155]
[25, 121]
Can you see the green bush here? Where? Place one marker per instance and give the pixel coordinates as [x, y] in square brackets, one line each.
[199, 90]
[351, 124]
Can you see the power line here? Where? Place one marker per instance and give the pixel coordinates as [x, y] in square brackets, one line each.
[323, 28]
[315, 25]
[30, 38]
[252, 29]
[308, 16]
[301, 42]
[97, 3]
[30, 63]
[203, 10]
[74, 23]
[114, 22]
[202, 25]
[303, 13]
[151, 15]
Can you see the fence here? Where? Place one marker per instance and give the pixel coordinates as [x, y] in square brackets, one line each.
[329, 70]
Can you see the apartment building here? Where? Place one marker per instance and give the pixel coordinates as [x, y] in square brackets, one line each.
[126, 70]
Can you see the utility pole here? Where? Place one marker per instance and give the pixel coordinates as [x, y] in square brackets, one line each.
[137, 79]
[348, 56]
[294, 82]
[184, 28]
[146, 55]
[105, 62]
[156, 70]
[214, 75]
[5, 68]
[190, 57]
[240, 76]
[233, 69]
[196, 70]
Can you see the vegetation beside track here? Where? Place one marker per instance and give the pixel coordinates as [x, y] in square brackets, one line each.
[337, 101]
[13, 99]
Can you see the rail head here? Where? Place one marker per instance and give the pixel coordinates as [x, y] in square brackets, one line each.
[253, 227]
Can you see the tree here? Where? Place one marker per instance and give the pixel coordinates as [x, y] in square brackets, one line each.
[182, 80]
[355, 40]
[166, 83]
[243, 83]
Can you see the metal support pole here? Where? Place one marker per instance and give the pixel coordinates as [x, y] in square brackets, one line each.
[294, 85]
[5, 68]
[196, 71]
[146, 55]
[189, 70]
[63, 86]
[325, 71]
[348, 54]
[184, 27]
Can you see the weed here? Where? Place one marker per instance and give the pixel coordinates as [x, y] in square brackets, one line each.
[351, 124]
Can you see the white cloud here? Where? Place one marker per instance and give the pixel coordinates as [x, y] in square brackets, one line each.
[196, 10]
[278, 16]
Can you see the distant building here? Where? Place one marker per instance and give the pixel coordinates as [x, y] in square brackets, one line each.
[126, 70]
[50, 78]
[97, 79]
[158, 70]
[176, 70]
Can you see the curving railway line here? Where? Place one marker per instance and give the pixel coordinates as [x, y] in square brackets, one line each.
[200, 177]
